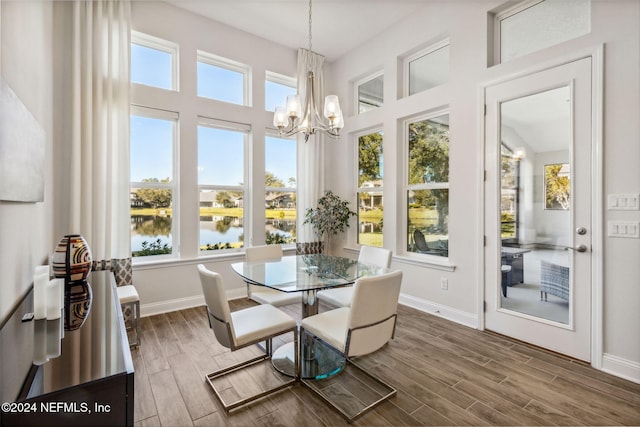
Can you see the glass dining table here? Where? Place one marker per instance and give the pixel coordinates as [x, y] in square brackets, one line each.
[306, 274]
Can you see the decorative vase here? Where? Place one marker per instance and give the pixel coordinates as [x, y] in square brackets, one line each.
[77, 304]
[72, 258]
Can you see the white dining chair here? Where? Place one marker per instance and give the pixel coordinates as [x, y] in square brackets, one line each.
[361, 329]
[342, 297]
[262, 294]
[238, 329]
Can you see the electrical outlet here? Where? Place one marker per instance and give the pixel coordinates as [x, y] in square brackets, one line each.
[444, 283]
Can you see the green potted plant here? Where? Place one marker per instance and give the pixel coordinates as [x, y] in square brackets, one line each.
[330, 217]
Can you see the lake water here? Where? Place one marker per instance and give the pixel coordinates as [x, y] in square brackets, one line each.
[213, 230]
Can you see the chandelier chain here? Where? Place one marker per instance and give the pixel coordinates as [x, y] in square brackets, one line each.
[310, 45]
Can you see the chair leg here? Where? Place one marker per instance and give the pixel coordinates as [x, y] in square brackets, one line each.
[228, 407]
[349, 415]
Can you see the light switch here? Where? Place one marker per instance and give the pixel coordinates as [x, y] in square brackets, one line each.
[627, 229]
[624, 202]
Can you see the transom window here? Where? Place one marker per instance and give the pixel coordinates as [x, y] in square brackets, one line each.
[428, 68]
[427, 195]
[370, 189]
[276, 89]
[537, 24]
[370, 93]
[223, 79]
[152, 53]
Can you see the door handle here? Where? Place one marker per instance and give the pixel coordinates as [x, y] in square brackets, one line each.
[579, 248]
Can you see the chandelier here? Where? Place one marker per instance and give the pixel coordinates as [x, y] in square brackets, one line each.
[295, 118]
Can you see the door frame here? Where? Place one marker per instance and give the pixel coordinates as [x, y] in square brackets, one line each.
[596, 53]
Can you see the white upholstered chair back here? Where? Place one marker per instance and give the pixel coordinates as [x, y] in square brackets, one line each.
[217, 306]
[373, 312]
[263, 253]
[374, 255]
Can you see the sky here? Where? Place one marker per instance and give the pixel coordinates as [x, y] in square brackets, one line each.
[220, 152]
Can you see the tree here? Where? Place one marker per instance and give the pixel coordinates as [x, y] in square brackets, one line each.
[270, 180]
[224, 198]
[557, 187]
[369, 157]
[155, 197]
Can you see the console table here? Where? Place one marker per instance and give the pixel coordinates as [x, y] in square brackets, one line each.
[89, 383]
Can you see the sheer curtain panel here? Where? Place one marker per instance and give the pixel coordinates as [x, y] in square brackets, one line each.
[99, 160]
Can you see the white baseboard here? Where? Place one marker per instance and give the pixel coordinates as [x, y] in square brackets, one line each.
[452, 314]
[154, 308]
[620, 367]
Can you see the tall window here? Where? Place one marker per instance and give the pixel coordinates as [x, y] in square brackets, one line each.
[221, 178]
[154, 62]
[276, 89]
[428, 68]
[280, 190]
[428, 185]
[223, 79]
[370, 191]
[152, 190]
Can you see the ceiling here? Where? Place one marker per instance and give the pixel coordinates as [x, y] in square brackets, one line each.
[338, 26]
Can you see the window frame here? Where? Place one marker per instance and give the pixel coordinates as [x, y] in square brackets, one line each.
[174, 185]
[417, 55]
[230, 65]
[406, 187]
[156, 43]
[245, 129]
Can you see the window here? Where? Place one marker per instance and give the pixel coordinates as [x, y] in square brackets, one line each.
[153, 61]
[557, 186]
[428, 69]
[370, 93]
[276, 89]
[152, 188]
[428, 185]
[370, 191]
[510, 191]
[221, 178]
[222, 79]
[538, 24]
[280, 190]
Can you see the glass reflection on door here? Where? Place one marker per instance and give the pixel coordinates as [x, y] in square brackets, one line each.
[535, 204]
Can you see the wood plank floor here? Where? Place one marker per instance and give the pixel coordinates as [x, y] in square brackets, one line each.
[445, 374]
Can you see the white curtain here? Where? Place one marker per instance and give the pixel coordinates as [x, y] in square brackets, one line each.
[99, 161]
[311, 153]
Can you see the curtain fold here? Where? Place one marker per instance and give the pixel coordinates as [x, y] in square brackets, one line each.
[99, 155]
[311, 153]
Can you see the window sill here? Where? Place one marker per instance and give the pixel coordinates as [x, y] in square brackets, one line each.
[166, 262]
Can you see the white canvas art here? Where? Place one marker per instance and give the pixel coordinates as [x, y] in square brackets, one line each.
[22, 150]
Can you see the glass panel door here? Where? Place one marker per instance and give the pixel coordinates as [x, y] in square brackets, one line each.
[538, 208]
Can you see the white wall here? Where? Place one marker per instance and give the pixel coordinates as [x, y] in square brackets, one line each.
[26, 236]
[615, 24]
